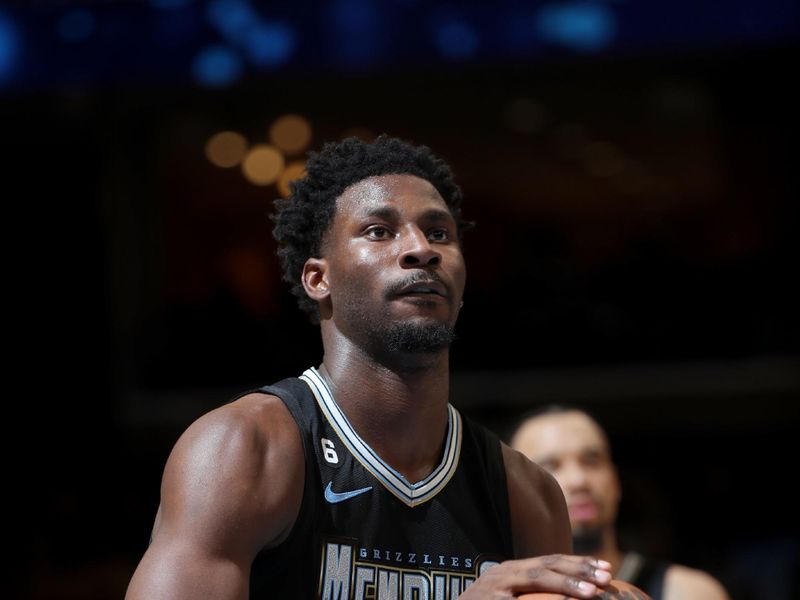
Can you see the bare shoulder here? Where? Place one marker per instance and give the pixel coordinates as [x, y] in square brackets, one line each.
[685, 582]
[239, 466]
[530, 482]
[232, 485]
[538, 510]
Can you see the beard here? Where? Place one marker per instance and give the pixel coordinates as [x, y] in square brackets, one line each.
[587, 540]
[413, 338]
[387, 339]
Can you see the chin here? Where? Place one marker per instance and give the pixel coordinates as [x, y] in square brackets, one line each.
[415, 336]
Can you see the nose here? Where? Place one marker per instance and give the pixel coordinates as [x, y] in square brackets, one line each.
[417, 250]
[573, 477]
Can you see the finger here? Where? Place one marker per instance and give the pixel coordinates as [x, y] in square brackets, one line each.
[586, 567]
[576, 575]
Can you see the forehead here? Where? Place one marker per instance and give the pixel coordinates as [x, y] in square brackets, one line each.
[404, 192]
[559, 435]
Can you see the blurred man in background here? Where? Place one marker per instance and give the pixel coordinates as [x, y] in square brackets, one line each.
[575, 449]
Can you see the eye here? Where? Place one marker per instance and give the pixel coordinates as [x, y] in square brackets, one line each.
[378, 232]
[439, 235]
[592, 459]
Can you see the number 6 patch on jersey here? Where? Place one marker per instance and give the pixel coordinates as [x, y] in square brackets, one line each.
[329, 452]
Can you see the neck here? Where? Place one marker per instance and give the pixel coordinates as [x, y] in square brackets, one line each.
[599, 542]
[608, 549]
[397, 405]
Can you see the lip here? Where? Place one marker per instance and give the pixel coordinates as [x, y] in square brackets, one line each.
[583, 511]
[423, 289]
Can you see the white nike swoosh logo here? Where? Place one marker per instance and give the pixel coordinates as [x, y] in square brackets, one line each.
[334, 497]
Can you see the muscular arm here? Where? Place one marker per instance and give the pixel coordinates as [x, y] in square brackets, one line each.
[232, 485]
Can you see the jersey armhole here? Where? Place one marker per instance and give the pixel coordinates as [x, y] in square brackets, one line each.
[495, 470]
[262, 571]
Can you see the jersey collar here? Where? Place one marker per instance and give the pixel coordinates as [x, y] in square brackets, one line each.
[412, 494]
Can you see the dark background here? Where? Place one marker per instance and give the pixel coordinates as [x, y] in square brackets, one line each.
[631, 168]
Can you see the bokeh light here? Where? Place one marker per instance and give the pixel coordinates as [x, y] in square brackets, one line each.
[269, 44]
[583, 26]
[9, 46]
[291, 133]
[232, 18]
[226, 149]
[263, 164]
[456, 39]
[217, 66]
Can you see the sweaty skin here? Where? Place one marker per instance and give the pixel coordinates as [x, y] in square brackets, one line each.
[390, 267]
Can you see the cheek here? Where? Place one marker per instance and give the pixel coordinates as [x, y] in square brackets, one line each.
[357, 273]
[352, 260]
[607, 485]
[457, 269]
[364, 254]
[461, 275]
[366, 257]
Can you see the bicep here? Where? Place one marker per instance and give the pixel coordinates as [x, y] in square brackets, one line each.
[230, 488]
[178, 568]
[189, 555]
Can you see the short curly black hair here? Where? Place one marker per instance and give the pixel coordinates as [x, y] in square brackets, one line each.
[302, 219]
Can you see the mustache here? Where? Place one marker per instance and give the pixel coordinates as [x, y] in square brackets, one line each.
[415, 277]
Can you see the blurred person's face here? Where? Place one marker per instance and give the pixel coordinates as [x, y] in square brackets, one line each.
[574, 449]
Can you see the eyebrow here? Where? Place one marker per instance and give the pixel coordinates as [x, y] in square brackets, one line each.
[384, 212]
[388, 212]
[437, 214]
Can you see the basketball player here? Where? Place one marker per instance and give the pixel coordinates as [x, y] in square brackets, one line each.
[357, 479]
[574, 448]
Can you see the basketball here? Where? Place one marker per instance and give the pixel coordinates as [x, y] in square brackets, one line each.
[621, 590]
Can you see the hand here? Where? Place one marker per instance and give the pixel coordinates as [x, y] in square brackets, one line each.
[578, 576]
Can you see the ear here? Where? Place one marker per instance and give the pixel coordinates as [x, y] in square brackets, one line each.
[315, 279]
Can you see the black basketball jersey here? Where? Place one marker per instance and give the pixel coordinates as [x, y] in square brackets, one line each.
[365, 532]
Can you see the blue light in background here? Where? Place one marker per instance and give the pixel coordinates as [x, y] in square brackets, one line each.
[177, 28]
[456, 39]
[269, 45]
[87, 41]
[583, 26]
[265, 44]
[76, 25]
[232, 18]
[170, 4]
[356, 32]
[217, 66]
[9, 47]
[521, 29]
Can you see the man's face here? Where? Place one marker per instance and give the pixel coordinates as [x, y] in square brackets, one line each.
[572, 447]
[395, 269]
